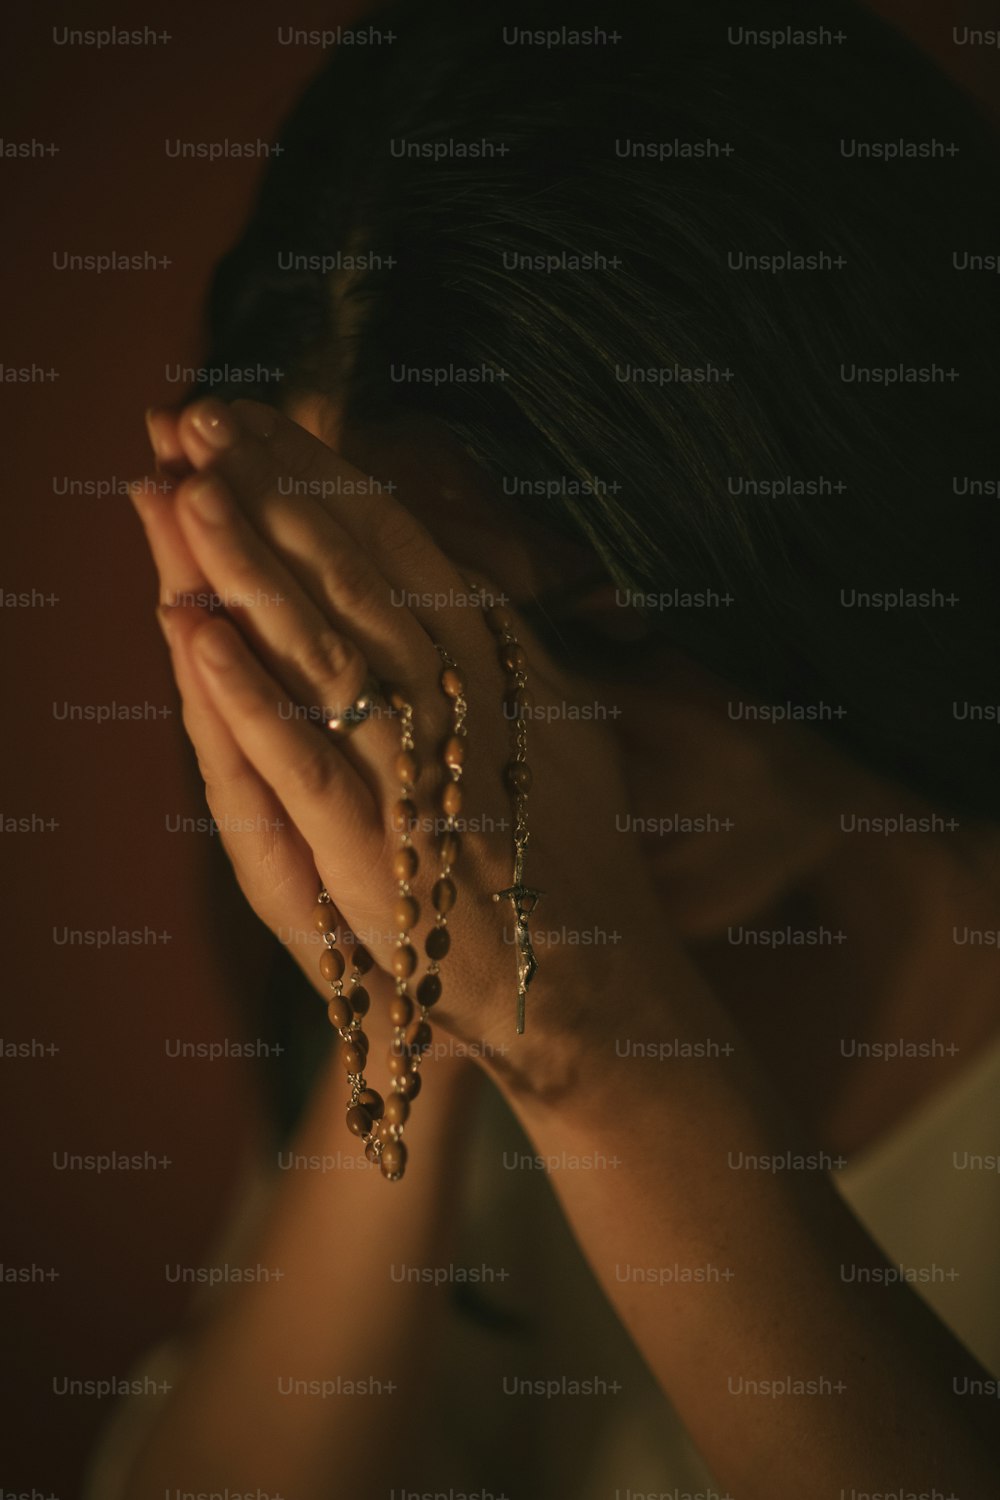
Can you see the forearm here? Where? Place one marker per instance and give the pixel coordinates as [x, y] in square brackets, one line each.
[643, 1154]
[336, 1315]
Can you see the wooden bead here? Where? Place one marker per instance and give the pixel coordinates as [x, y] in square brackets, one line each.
[406, 913]
[409, 1086]
[360, 1000]
[404, 961]
[351, 1056]
[453, 754]
[518, 776]
[359, 1121]
[339, 1012]
[372, 1101]
[401, 1010]
[499, 619]
[331, 964]
[513, 657]
[406, 768]
[393, 1160]
[438, 942]
[398, 699]
[360, 1040]
[453, 682]
[449, 846]
[429, 990]
[518, 703]
[451, 799]
[325, 916]
[404, 815]
[443, 895]
[418, 1036]
[404, 862]
[361, 959]
[400, 1064]
[397, 1109]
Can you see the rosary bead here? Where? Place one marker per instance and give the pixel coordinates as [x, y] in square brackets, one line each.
[360, 1000]
[404, 961]
[331, 964]
[406, 768]
[325, 915]
[393, 1159]
[518, 774]
[437, 943]
[399, 1064]
[513, 657]
[498, 618]
[372, 1101]
[449, 846]
[404, 815]
[518, 703]
[451, 799]
[359, 1121]
[351, 1056]
[409, 1086]
[360, 1040]
[361, 959]
[401, 1010]
[339, 1012]
[418, 1036]
[452, 682]
[429, 990]
[443, 894]
[372, 1152]
[404, 862]
[397, 1109]
[407, 913]
[454, 752]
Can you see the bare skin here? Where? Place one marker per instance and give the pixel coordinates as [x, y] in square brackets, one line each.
[783, 1087]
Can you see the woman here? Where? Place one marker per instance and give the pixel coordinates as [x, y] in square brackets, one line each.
[644, 339]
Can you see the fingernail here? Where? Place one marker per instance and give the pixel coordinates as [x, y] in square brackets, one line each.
[209, 497]
[138, 493]
[216, 646]
[158, 428]
[215, 423]
[163, 441]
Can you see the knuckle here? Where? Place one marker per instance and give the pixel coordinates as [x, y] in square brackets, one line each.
[328, 656]
[350, 584]
[394, 531]
[243, 585]
[314, 771]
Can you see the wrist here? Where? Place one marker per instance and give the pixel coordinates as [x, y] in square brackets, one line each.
[599, 1031]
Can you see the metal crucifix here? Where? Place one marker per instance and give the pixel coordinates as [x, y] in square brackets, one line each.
[524, 899]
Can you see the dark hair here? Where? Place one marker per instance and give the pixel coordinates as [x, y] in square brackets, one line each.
[425, 278]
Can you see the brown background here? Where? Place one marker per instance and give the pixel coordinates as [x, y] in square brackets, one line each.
[112, 862]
